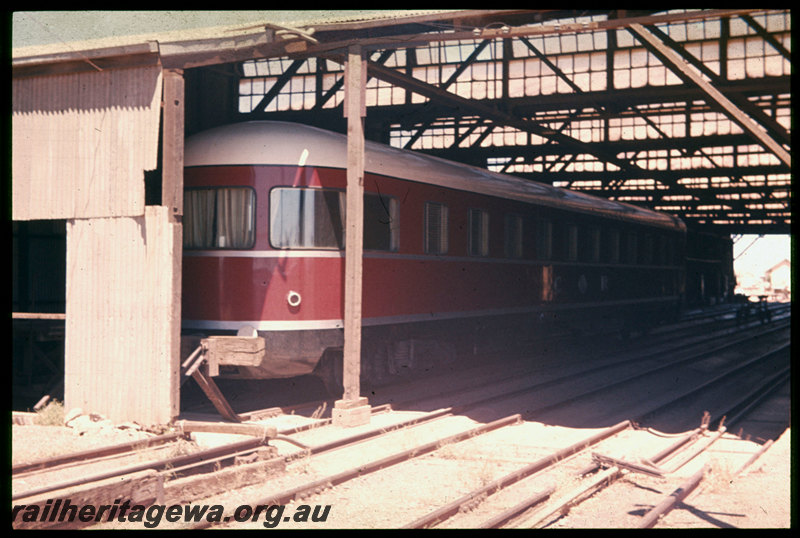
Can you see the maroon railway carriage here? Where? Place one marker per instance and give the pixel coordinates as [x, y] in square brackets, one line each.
[455, 257]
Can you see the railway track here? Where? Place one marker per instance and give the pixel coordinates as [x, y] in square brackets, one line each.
[649, 497]
[468, 435]
[598, 350]
[472, 496]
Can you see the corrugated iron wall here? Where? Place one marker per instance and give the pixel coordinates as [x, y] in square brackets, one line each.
[123, 309]
[81, 142]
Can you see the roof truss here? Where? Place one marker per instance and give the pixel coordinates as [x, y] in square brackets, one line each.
[701, 112]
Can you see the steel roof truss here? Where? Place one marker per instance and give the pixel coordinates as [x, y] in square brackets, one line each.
[392, 76]
[674, 61]
[740, 101]
[459, 70]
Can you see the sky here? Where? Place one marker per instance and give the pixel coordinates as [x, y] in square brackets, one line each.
[764, 253]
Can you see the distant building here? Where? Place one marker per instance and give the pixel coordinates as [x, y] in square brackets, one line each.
[779, 279]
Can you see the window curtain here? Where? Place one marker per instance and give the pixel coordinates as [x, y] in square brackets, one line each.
[234, 218]
[198, 225]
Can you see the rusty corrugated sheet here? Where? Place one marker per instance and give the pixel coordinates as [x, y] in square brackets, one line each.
[82, 141]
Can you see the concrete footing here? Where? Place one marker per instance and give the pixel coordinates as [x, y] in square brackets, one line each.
[349, 413]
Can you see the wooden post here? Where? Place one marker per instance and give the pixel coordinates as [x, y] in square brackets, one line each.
[352, 409]
[172, 149]
[173, 109]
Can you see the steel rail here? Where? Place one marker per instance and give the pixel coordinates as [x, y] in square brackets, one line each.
[688, 487]
[599, 368]
[639, 375]
[714, 380]
[322, 422]
[429, 416]
[289, 495]
[182, 463]
[662, 455]
[448, 510]
[651, 518]
[719, 333]
[504, 396]
[603, 479]
[758, 395]
[720, 317]
[196, 466]
[688, 456]
[95, 453]
[160, 465]
[506, 516]
[766, 446]
[436, 414]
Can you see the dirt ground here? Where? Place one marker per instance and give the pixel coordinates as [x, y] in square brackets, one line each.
[33, 442]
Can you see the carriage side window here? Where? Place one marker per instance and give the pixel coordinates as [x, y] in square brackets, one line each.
[381, 222]
[612, 246]
[435, 228]
[593, 247]
[572, 242]
[631, 247]
[513, 236]
[544, 240]
[306, 218]
[647, 249]
[478, 232]
[314, 218]
[658, 249]
[669, 251]
[222, 217]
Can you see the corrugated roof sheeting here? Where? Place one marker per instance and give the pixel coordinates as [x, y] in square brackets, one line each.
[32, 34]
[82, 141]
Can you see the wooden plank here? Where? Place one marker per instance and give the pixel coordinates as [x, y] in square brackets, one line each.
[173, 143]
[236, 350]
[37, 315]
[23, 417]
[215, 395]
[355, 110]
[255, 430]
[191, 488]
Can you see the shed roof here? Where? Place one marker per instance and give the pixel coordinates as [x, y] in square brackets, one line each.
[52, 32]
[783, 263]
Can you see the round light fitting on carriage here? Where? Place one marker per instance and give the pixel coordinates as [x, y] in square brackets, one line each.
[294, 299]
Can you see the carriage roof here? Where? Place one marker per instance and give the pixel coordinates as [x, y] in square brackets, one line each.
[292, 144]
